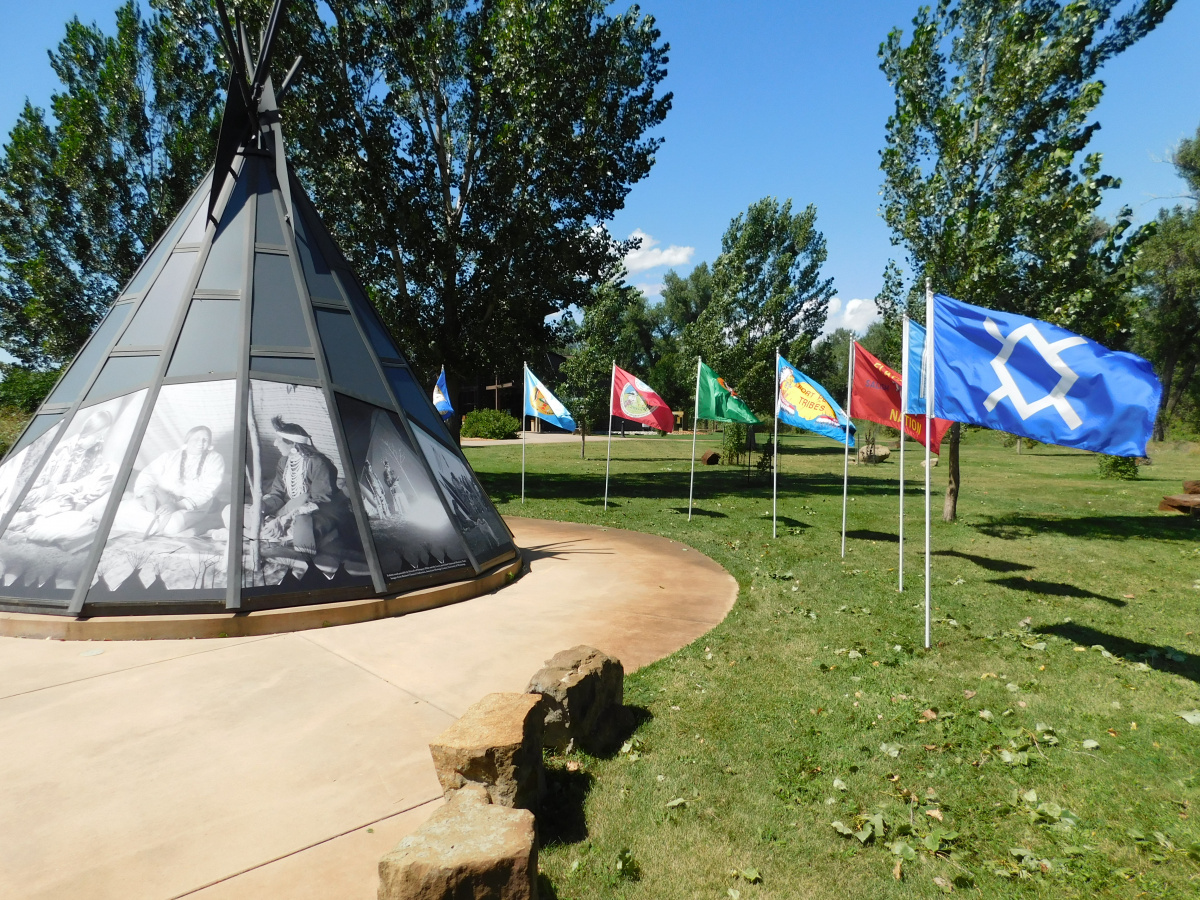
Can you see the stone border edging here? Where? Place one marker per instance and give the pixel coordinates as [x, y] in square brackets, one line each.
[259, 622]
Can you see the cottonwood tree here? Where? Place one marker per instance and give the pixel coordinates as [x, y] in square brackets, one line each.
[85, 190]
[982, 183]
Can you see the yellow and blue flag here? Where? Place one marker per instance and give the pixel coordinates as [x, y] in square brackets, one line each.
[802, 402]
[441, 397]
[1033, 379]
[543, 404]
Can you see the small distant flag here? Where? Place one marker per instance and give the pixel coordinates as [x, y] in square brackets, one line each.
[876, 398]
[543, 404]
[635, 400]
[1034, 379]
[802, 402]
[718, 401]
[441, 397]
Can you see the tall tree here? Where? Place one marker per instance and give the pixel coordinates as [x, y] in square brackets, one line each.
[1168, 324]
[767, 295]
[994, 102]
[86, 191]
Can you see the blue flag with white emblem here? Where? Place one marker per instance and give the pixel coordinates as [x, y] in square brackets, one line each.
[441, 397]
[543, 404]
[1036, 380]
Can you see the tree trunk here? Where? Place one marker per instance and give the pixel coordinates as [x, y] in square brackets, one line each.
[950, 509]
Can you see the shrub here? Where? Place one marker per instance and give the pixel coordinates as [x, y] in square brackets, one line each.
[1124, 468]
[24, 388]
[733, 444]
[490, 423]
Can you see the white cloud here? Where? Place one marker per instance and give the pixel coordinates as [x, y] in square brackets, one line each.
[854, 314]
[650, 289]
[650, 256]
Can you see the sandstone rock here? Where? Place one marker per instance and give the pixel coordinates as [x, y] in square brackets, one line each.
[933, 461]
[584, 693]
[710, 457]
[873, 455]
[1191, 487]
[497, 744]
[470, 848]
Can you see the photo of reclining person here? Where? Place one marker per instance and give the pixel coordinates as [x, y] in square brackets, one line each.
[176, 491]
[303, 506]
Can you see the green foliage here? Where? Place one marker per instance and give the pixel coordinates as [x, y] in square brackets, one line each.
[85, 191]
[767, 295]
[733, 444]
[24, 388]
[494, 424]
[1122, 468]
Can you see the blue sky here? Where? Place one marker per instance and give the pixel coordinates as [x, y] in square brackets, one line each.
[783, 99]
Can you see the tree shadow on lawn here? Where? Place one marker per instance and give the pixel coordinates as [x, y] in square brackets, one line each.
[1157, 656]
[697, 511]
[986, 562]
[1112, 528]
[791, 523]
[1054, 589]
[866, 534]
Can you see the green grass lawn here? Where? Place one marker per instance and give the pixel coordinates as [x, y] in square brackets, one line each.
[1036, 750]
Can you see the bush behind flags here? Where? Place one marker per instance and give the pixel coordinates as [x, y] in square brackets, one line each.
[876, 397]
[802, 402]
[635, 400]
[717, 401]
[1036, 380]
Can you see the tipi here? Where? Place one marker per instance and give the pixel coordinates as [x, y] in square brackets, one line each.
[239, 432]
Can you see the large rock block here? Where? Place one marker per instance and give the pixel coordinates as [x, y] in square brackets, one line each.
[584, 693]
[876, 454]
[497, 744]
[470, 849]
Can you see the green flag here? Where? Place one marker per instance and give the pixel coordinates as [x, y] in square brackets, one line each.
[717, 401]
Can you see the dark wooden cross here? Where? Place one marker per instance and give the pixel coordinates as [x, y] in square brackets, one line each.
[497, 387]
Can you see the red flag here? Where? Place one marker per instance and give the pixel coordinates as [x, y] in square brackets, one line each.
[876, 397]
[635, 400]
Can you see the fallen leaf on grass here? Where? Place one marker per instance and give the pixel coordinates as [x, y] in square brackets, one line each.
[1191, 716]
[968, 694]
[934, 814]
[839, 785]
[1089, 744]
[676, 803]
[896, 869]
[986, 715]
[929, 715]
[945, 886]
[1127, 596]
[1112, 732]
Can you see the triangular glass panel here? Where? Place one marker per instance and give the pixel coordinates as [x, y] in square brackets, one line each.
[47, 541]
[190, 213]
[277, 319]
[72, 384]
[19, 465]
[299, 532]
[320, 279]
[211, 338]
[269, 228]
[169, 540]
[351, 365]
[151, 325]
[412, 534]
[120, 375]
[287, 366]
[473, 513]
[225, 268]
[414, 402]
[376, 333]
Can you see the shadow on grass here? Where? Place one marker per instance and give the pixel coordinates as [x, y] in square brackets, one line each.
[986, 562]
[1054, 589]
[1157, 656]
[697, 511]
[1111, 528]
[791, 523]
[865, 534]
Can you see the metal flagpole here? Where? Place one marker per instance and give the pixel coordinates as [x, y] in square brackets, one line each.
[524, 395]
[775, 453]
[612, 382]
[903, 426]
[927, 369]
[695, 428]
[846, 465]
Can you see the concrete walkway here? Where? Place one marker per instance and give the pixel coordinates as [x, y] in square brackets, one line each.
[285, 766]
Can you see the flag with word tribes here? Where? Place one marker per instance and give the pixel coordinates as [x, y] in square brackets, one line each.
[875, 396]
[719, 402]
[441, 397]
[635, 400]
[802, 402]
[543, 404]
[1037, 380]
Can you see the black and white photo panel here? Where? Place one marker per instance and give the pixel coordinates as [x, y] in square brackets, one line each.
[477, 520]
[299, 532]
[45, 546]
[409, 526]
[15, 472]
[170, 533]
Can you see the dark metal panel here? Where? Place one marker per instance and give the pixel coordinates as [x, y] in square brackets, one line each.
[277, 318]
[121, 375]
[414, 402]
[288, 366]
[224, 270]
[152, 321]
[210, 339]
[150, 265]
[349, 359]
[38, 426]
[71, 386]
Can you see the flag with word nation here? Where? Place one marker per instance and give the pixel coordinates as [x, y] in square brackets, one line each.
[875, 396]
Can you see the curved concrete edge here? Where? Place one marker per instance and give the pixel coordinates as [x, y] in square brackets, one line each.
[259, 622]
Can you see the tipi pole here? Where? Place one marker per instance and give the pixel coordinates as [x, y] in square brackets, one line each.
[927, 367]
[775, 454]
[524, 394]
[695, 421]
[612, 384]
[903, 426]
[846, 463]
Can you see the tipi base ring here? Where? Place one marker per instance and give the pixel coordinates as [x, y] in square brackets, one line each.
[259, 622]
